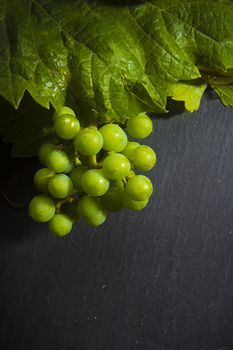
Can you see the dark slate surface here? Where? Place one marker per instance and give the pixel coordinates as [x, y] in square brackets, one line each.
[161, 279]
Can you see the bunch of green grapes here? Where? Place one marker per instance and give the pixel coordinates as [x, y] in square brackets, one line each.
[91, 171]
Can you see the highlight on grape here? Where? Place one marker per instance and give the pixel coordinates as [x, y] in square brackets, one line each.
[91, 171]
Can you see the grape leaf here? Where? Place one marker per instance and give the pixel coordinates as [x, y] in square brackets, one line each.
[107, 61]
[223, 86]
[191, 94]
[225, 94]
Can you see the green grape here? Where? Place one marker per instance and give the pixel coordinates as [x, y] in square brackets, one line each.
[144, 158]
[88, 142]
[115, 139]
[92, 210]
[66, 126]
[138, 188]
[134, 205]
[60, 186]
[61, 111]
[94, 182]
[116, 166]
[112, 200]
[41, 208]
[97, 219]
[42, 177]
[61, 224]
[44, 151]
[130, 147]
[58, 160]
[140, 126]
[76, 176]
[69, 168]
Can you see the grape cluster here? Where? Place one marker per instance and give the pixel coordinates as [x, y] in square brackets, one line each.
[91, 171]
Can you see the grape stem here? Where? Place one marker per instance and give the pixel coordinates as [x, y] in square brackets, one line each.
[124, 181]
[61, 146]
[77, 161]
[92, 162]
[69, 199]
[58, 206]
[132, 174]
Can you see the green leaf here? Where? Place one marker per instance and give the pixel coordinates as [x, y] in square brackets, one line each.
[107, 61]
[223, 86]
[190, 94]
[225, 94]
